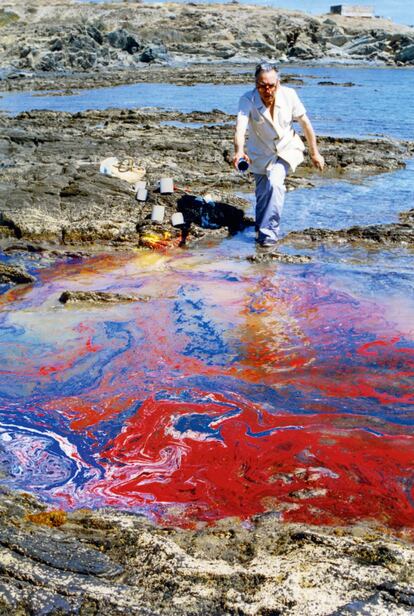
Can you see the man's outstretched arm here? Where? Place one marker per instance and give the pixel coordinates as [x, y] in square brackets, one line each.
[318, 160]
[240, 138]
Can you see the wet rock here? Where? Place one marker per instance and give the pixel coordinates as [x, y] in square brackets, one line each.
[158, 235]
[368, 155]
[269, 256]
[34, 226]
[402, 234]
[387, 234]
[97, 297]
[56, 550]
[12, 274]
[407, 217]
[346, 84]
[108, 562]
[104, 231]
[60, 197]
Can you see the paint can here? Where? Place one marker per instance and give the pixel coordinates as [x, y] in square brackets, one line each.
[142, 194]
[177, 219]
[138, 185]
[242, 165]
[166, 185]
[157, 214]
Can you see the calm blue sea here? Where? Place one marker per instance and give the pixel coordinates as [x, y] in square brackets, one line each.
[380, 102]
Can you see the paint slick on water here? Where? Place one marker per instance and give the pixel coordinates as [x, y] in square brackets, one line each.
[235, 391]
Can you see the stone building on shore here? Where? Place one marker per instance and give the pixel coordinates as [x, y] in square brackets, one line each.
[353, 10]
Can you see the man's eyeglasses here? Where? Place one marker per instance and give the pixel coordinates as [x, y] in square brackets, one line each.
[266, 86]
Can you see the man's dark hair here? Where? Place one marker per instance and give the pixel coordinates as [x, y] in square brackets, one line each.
[265, 67]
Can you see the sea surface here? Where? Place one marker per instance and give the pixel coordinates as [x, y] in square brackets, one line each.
[237, 388]
[378, 103]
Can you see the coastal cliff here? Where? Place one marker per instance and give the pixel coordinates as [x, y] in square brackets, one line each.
[67, 36]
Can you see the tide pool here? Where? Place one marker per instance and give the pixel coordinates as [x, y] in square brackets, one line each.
[237, 389]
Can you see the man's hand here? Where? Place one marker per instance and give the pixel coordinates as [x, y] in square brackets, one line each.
[237, 157]
[318, 161]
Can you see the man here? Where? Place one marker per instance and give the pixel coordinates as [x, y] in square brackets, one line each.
[273, 147]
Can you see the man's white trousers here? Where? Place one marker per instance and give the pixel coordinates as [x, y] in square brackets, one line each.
[270, 197]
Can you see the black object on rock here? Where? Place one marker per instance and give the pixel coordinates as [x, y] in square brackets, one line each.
[211, 214]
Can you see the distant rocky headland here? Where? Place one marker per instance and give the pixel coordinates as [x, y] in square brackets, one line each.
[68, 37]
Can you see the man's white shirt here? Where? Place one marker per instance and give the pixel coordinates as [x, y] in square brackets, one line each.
[271, 137]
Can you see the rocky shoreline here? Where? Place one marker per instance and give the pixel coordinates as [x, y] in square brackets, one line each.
[50, 188]
[55, 201]
[85, 44]
[53, 194]
[108, 562]
[188, 74]
[395, 234]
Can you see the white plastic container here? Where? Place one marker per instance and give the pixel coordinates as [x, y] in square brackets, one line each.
[158, 212]
[138, 185]
[177, 219]
[142, 194]
[107, 165]
[166, 185]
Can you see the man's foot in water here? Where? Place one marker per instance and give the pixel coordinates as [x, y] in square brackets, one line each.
[267, 246]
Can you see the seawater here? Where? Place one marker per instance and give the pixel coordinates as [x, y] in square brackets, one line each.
[379, 102]
[237, 388]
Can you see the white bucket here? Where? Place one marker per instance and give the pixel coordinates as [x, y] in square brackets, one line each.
[138, 185]
[107, 165]
[142, 194]
[177, 219]
[166, 185]
[157, 214]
